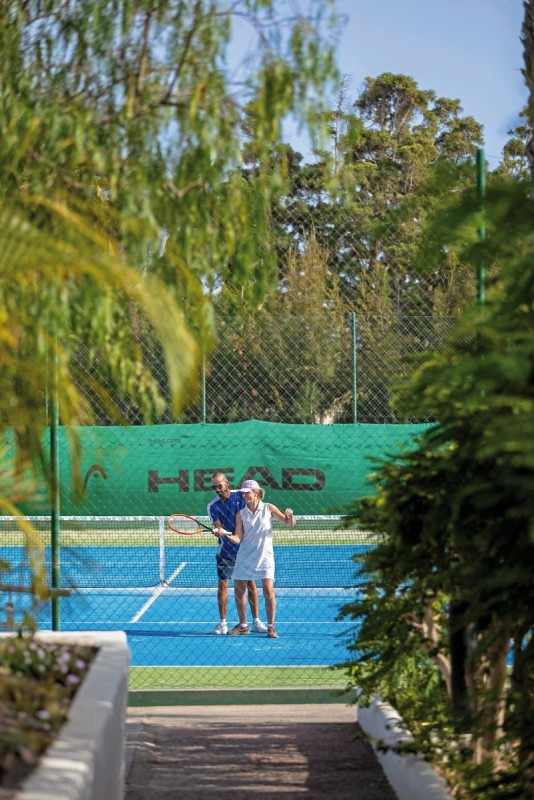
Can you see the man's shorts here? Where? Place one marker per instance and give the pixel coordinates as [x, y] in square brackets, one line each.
[225, 567]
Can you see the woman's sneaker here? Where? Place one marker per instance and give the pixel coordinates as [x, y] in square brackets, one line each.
[237, 630]
[259, 627]
[271, 632]
[222, 627]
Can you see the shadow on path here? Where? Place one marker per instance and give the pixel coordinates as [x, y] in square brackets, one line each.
[307, 752]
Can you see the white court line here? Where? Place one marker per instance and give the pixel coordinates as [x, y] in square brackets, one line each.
[157, 593]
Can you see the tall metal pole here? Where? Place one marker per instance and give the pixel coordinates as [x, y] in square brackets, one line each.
[458, 635]
[55, 505]
[481, 191]
[204, 388]
[354, 371]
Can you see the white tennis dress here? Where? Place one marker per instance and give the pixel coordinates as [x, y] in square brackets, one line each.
[255, 557]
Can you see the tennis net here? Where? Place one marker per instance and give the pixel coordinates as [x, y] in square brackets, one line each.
[141, 551]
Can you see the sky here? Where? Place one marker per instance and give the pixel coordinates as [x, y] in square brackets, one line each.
[468, 50]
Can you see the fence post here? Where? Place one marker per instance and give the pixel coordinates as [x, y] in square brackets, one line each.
[354, 370]
[458, 607]
[481, 189]
[54, 470]
[204, 387]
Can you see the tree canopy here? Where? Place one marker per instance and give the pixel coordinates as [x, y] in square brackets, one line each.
[121, 139]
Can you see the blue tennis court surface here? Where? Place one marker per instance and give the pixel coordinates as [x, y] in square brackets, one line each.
[171, 623]
[176, 629]
[123, 566]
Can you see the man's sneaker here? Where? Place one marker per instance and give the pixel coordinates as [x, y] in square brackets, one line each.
[237, 630]
[259, 627]
[271, 632]
[222, 627]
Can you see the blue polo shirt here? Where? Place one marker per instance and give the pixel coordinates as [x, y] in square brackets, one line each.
[226, 511]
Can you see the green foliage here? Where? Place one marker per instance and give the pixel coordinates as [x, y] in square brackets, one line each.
[292, 355]
[407, 139]
[121, 135]
[515, 161]
[136, 103]
[120, 148]
[459, 510]
[397, 153]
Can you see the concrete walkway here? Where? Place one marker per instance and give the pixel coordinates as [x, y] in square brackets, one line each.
[304, 751]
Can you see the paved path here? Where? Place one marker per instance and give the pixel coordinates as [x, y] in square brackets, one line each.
[306, 752]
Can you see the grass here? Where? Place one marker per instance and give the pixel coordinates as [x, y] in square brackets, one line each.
[179, 678]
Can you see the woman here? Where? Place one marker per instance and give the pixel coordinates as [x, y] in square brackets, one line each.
[255, 557]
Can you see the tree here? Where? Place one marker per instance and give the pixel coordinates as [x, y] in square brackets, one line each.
[458, 514]
[120, 138]
[136, 102]
[397, 154]
[128, 109]
[515, 160]
[291, 353]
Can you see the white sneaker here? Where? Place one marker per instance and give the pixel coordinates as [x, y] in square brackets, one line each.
[222, 627]
[259, 627]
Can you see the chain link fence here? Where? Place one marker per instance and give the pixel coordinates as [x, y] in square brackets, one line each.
[324, 350]
[289, 369]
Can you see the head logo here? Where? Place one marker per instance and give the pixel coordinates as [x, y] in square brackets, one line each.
[96, 470]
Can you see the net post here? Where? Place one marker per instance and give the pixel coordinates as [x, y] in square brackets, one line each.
[161, 521]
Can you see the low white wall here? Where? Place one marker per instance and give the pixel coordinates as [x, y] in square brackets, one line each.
[87, 759]
[411, 777]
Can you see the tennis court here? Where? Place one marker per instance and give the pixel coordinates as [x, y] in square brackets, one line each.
[161, 590]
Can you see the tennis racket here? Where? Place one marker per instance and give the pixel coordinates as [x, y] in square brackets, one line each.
[186, 525]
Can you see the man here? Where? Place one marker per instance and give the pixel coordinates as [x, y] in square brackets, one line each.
[223, 510]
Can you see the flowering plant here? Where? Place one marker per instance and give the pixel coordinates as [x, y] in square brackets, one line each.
[38, 681]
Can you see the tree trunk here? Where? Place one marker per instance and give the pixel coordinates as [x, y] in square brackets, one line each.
[459, 652]
[491, 701]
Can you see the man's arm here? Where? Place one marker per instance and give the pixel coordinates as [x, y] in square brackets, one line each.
[238, 535]
[212, 514]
